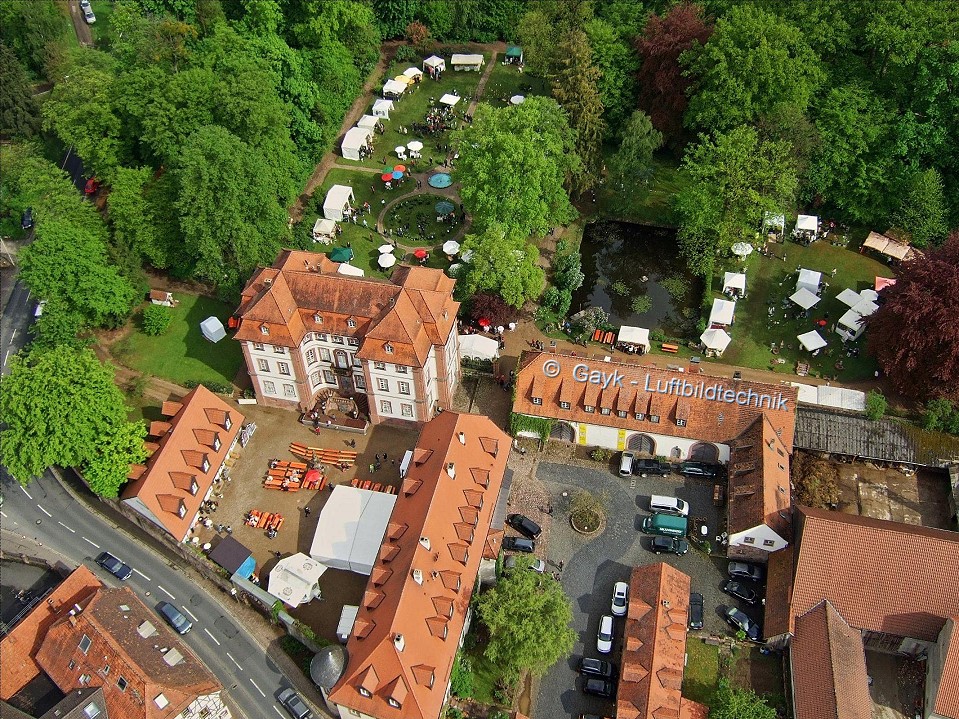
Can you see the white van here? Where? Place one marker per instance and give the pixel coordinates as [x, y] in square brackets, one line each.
[668, 505]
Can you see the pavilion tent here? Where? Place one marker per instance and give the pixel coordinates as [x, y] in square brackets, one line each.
[450, 100]
[808, 223]
[514, 54]
[338, 198]
[478, 346]
[382, 108]
[413, 72]
[351, 528]
[295, 579]
[635, 336]
[355, 139]
[715, 341]
[434, 62]
[848, 297]
[467, 62]
[888, 246]
[723, 313]
[809, 279]
[804, 298]
[346, 268]
[369, 121]
[324, 230]
[394, 88]
[812, 341]
[212, 329]
[734, 284]
[850, 326]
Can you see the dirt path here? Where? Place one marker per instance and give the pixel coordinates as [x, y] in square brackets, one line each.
[482, 83]
[84, 34]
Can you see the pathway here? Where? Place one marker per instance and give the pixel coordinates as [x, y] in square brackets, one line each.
[84, 34]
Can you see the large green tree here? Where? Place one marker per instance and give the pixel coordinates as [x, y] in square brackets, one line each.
[923, 210]
[62, 408]
[502, 263]
[528, 619]
[733, 703]
[19, 114]
[617, 63]
[29, 28]
[515, 165]
[632, 164]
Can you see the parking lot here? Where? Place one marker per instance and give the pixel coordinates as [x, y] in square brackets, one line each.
[592, 565]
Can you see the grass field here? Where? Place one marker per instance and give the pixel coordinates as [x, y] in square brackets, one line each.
[102, 29]
[648, 202]
[506, 81]
[182, 354]
[702, 671]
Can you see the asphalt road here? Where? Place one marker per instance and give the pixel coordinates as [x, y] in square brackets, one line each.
[44, 512]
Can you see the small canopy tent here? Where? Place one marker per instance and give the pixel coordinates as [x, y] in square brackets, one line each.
[350, 270]
[478, 346]
[354, 140]
[888, 246]
[467, 62]
[804, 298]
[715, 341]
[637, 337]
[773, 222]
[850, 326]
[351, 527]
[449, 100]
[382, 108]
[722, 313]
[734, 284]
[848, 297]
[809, 279]
[324, 230]
[234, 557]
[212, 329]
[369, 121]
[514, 54]
[392, 88]
[811, 341]
[413, 72]
[435, 63]
[338, 198]
[295, 579]
[808, 225]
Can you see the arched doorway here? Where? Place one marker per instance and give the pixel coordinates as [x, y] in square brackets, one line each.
[563, 432]
[642, 443]
[704, 452]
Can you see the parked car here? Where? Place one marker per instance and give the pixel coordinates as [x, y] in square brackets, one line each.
[598, 687]
[740, 591]
[626, 463]
[740, 621]
[38, 310]
[597, 667]
[646, 467]
[26, 219]
[669, 545]
[292, 702]
[524, 525]
[699, 469]
[620, 599]
[695, 610]
[604, 637]
[88, 13]
[113, 565]
[519, 544]
[741, 570]
[537, 565]
[174, 617]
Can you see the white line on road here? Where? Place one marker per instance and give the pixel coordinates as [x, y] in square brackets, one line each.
[211, 636]
[25, 492]
[13, 336]
[165, 592]
[66, 527]
[3, 515]
[93, 543]
[191, 614]
[40, 506]
[5, 355]
[258, 689]
[282, 715]
[142, 575]
[234, 661]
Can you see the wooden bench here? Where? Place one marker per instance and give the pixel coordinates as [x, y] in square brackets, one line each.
[673, 349]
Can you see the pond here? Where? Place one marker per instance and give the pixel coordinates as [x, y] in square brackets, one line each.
[635, 273]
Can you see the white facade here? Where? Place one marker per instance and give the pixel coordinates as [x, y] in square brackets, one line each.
[759, 537]
[393, 389]
[273, 371]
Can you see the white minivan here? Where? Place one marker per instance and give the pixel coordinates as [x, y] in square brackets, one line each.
[626, 464]
[668, 505]
[604, 638]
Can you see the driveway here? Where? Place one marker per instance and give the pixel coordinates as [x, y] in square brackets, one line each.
[591, 566]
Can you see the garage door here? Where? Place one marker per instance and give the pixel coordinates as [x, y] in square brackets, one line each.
[704, 452]
[642, 443]
[563, 432]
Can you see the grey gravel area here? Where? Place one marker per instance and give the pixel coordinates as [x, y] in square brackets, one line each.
[592, 565]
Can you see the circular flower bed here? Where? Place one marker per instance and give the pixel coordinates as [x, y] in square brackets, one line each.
[587, 521]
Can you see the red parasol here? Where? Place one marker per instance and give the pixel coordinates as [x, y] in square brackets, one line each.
[386, 176]
[399, 168]
[483, 322]
[420, 254]
[822, 323]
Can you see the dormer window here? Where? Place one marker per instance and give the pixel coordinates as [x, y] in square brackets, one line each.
[216, 443]
[389, 348]
[206, 464]
[680, 423]
[227, 422]
[264, 329]
[351, 322]
[537, 400]
[181, 511]
[365, 692]
[589, 408]
[393, 703]
[621, 414]
[640, 416]
[318, 318]
[604, 410]
[564, 405]
[194, 487]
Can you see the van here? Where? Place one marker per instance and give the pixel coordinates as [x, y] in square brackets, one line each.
[626, 464]
[668, 525]
[668, 505]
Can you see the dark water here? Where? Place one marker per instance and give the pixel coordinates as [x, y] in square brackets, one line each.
[621, 252]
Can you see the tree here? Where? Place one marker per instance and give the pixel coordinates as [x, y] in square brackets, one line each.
[156, 319]
[815, 481]
[633, 162]
[662, 84]
[519, 161]
[941, 415]
[617, 63]
[419, 36]
[62, 408]
[29, 28]
[914, 335]
[752, 61]
[528, 617]
[492, 308]
[567, 267]
[923, 210]
[875, 405]
[19, 114]
[503, 263]
[739, 704]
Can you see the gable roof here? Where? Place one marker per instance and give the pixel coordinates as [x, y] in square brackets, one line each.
[413, 612]
[828, 666]
[759, 487]
[660, 389]
[163, 492]
[25, 638]
[880, 576]
[946, 701]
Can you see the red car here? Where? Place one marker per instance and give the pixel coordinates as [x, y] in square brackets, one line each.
[93, 184]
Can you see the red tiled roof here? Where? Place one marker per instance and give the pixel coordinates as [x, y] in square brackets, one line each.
[708, 420]
[25, 638]
[946, 702]
[880, 576]
[163, 489]
[828, 667]
[414, 670]
[777, 619]
[759, 488]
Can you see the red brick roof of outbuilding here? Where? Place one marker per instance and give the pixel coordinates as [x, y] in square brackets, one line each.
[708, 420]
[759, 485]
[425, 533]
[946, 702]
[828, 664]
[777, 619]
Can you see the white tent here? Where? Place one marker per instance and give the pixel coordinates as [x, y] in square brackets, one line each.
[850, 326]
[478, 346]
[392, 87]
[382, 108]
[323, 230]
[715, 340]
[812, 341]
[831, 396]
[212, 329]
[412, 72]
[346, 268]
[437, 63]
[638, 336]
[353, 140]
[351, 528]
[773, 222]
[347, 619]
[734, 283]
[804, 298]
[295, 579]
[848, 297]
[467, 62]
[450, 100]
[722, 313]
[808, 223]
[369, 121]
[337, 199]
[809, 279]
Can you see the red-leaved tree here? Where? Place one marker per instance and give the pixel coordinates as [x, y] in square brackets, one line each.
[491, 307]
[662, 87]
[915, 333]
[419, 36]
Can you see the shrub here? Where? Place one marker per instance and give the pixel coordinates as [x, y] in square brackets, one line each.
[875, 405]
[455, 713]
[214, 387]
[156, 320]
[406, 53]
[419, 36]
[601, 454]
[619, 288]
[461, 678]
[657, 336]
[491, 307]
[642, 304]
[550, 298]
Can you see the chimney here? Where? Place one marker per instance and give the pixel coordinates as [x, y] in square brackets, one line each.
[462, 436]
[666, 604]
[399, 642]
[425, 541]
[451, 470]
[267, 281]
[418, 576]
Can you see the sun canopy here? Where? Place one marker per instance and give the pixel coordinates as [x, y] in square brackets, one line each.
[809, 223]
[864, 307]
[351, 528]
[722, 312]
[212, 329]
[888, 246]
[415, 146]
[350, 270]
[716, 340]
[382, 108]
[369, 121]
[734, 281]
[233, 557]
[405, 79]
[809, 279]
[804, 298]
[638, 336]
[450, 100]
[468, 61]
[812, 341]
[295, 579]
[437, 63]
[451, 247]
[848, 297]
[478, 346]
[412, 72]
[517, 99]
[338, 198]
[392, 87]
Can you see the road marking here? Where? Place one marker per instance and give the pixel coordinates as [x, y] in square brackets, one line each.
[66, 527]
[210, 635]
[40, 506]
[234, 661]
[258, 689]
[142, 575]
[165, 592]
[13, 336]
[3, 515]
[191, 614]
[93, 543]
[5, 355]
[25, 492]
[282, 715]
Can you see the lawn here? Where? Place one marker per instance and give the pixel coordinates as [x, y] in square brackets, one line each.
[650, 201]
[762, 673]
[182, 354]
[103, 28]
[770, 280]
[702, 671]
[506, 81]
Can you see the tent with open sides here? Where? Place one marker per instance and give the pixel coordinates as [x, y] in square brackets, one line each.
[338, 198]
[382, 108]
[369, 121]
[467, 62]
[449, 100]
[804, 298]
[354, 140]
[722, 314]
[393, 89]
[324, 230]
[734, 284]
[808, 224]
[413, 72]
[514, 54]
[346, 268]
[637, 337]
[435, 63]
[811, 341]
[715, 341]
[478, 347]
[810, 279]
[888, 246]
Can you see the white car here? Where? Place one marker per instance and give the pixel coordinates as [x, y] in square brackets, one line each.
[620, 599]
[604, 639]
[87, 12]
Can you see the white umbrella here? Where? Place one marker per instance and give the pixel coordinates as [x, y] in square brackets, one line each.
[451, 247]
[812, 341]
[400, 149]
[386, 249]
[386, 261]
[742, 249]
[517, 100]
[415, 146]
